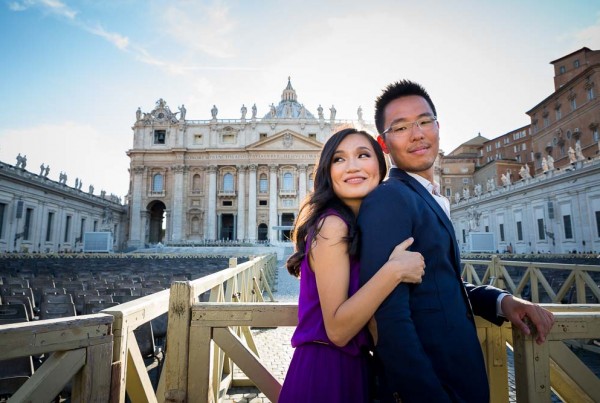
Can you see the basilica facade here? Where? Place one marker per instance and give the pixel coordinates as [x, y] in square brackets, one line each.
[242, 180]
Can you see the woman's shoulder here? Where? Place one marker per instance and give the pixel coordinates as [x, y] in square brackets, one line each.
[332, 224]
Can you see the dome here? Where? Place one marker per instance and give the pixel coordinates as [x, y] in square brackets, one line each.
[289, 107]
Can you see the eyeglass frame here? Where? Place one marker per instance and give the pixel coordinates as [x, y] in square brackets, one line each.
[412, 124]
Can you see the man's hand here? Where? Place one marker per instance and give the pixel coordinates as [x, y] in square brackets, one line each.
[516, 310]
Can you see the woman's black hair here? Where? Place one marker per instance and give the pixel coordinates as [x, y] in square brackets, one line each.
[323, 197]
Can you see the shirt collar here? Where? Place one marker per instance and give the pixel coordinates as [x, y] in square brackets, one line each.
[424, 182]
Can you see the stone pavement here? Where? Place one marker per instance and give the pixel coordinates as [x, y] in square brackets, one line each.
[275, 352]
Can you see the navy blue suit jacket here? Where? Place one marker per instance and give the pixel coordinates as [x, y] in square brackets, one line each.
[427, 340]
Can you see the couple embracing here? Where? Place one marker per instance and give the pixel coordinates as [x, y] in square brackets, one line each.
[383, 314]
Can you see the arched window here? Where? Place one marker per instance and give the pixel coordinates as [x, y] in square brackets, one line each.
[157, 183]
[288, 181]
[196, 183]
[311, 182]
[228, 182]
[262, 183]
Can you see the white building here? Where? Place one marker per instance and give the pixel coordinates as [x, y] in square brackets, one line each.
[553, 212]
[243, 179]
[38, 214]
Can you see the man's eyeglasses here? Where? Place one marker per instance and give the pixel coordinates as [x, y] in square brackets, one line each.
[425, 124]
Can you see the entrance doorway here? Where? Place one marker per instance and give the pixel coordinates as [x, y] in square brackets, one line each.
[287, 220]
[157, 225]
[226, 227]
[263, 232]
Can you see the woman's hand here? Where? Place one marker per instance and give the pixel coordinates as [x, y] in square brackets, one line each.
[408, 267]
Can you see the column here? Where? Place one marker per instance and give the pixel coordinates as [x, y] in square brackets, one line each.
[212, 202]
[252, 203]
[273, 202]
[177, 208]
[136, 226]
[241, 200]
[301, 183]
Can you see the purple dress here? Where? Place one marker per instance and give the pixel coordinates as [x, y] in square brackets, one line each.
[320, 371]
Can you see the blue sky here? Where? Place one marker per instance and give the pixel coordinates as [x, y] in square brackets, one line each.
[74, 72]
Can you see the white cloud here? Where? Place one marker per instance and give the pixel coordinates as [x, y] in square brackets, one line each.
[118, 40]
[77, 149]
[204, 28]
[59, 8]
[54, 6]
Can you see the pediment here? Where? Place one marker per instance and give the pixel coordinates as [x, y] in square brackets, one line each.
[285, 141]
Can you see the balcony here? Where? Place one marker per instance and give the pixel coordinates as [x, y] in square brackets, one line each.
[287, 192]
[226, 193]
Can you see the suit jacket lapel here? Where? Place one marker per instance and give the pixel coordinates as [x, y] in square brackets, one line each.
[431, 202]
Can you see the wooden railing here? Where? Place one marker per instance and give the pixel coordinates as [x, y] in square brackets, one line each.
[212, 333]
[100, 352]
[79, 350]
[246, 282]
[530, 276]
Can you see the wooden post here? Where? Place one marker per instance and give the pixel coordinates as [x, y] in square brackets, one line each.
[497, 365]
[93, 382]
[176, 361]
[532, 369]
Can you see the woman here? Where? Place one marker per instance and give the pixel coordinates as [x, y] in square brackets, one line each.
[328, 363]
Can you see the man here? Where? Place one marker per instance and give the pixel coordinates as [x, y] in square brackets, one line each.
[426, 341]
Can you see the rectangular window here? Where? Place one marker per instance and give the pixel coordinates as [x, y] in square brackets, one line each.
[2, 210]
[160, 136]
[501, 232]
[519, 231]
[487, 229]
[262, 136]
[598, 223]
[573, 104]
[466, 181]
[541, 230]
[546, 121]
[27, 227]
[558, 114]
[464, 236]
[595, 135]
[81, 229]
[568, 228]
[227, 203]
[49, 226]
[95, 225]
[262, 202]
[590, 93]
[67, 228]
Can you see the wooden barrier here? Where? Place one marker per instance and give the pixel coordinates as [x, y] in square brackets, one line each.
[244, 282]
[538, 368]
[80, 352]
[206, 340]
[531, 275]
